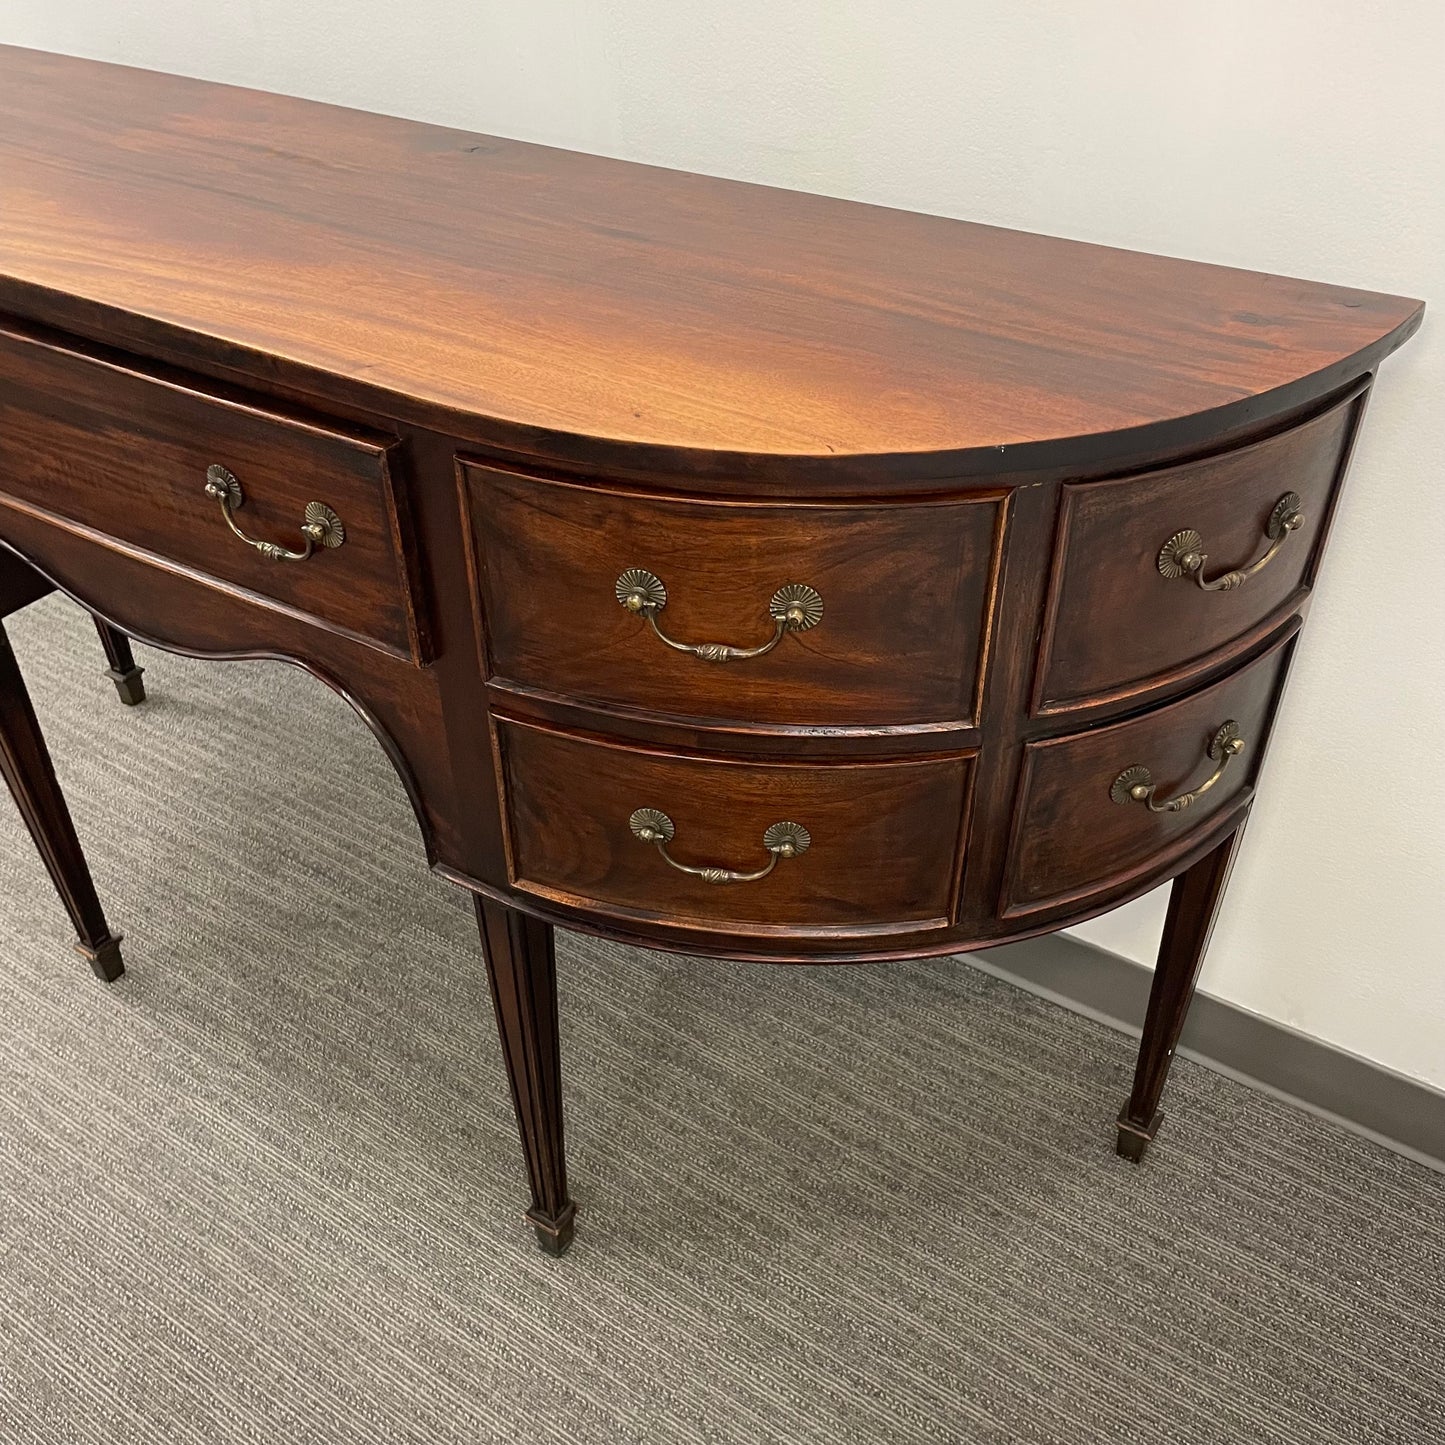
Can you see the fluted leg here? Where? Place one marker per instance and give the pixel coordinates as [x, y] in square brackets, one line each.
[1193, 906]
[27, 769]
[522, 967]
[122, 670]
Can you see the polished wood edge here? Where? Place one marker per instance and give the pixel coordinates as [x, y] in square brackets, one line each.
[1361, 402]
[379, 731]
[654, 935]
[1155, 684]
[730, 928]
[992, 602]
[201, 579]
[750, 759]
[227, 394]
[161, 341]
[521, 703]
[1031, 518]
[963, 832]
[504, 796]
[1053, 597]
[476, 564]
[417, 603]
[1098, 453]
[675, 487]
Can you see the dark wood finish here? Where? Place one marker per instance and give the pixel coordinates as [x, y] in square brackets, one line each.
[522, 969]
[1193, 906]
[122, 671]
[907, 595]
[30, 776]
[19, 585]
[86, 440]
[515, 371]
[1071, 839]
[1110, 535]
[543, 295]
[170, 608]
[885, 835]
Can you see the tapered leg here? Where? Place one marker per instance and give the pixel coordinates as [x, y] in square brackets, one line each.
[27, 769]
[1193, 905]
[122, 670]
[522, 967]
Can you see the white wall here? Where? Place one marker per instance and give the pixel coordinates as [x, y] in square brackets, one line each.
[1304, 136]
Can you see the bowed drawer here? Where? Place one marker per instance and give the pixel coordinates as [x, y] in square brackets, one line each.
[1100, 811]
[826, 615]
[165, 468]
[741, 845]
[1156, 575]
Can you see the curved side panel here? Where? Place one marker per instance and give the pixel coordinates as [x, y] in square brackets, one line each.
[398, 702]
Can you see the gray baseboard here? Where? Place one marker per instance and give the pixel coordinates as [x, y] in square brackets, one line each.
[1399, 1112]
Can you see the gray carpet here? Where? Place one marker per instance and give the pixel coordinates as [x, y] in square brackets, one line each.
[267, 1188]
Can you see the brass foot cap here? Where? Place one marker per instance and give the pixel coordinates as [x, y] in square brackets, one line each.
[104, 958]
[554, 1231]
[128, 684]
[1135, 1138]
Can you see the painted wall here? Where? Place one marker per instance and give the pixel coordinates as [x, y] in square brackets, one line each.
[1303, 136]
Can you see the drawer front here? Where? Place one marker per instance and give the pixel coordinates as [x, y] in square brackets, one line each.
[1118, 624]
[126, 455]
[882, 847]
[1083, 823]
[895, 636]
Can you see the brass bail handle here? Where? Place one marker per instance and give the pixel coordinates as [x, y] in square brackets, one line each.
[1183, 555]
[793, 608]
[320, 526]
[782, 840]
[1136, 784]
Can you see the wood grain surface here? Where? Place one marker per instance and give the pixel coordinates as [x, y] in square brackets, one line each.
[907, 597]
[517, 371]
[885, 835]
[126, 453]
[543, 294]
[1071, 839]
[1115, 624]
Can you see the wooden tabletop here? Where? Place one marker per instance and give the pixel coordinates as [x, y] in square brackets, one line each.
[443, 272]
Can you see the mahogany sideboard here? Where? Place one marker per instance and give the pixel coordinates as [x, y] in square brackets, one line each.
[723, 569]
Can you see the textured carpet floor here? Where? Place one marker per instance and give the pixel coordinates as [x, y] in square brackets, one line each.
[266, 1188]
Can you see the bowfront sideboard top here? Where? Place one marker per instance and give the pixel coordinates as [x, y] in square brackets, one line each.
[538, 298]
[723, 569]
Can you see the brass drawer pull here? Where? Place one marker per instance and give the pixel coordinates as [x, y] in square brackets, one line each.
[1136, 784]
[782, 840]
[1181, 555]
[321, 526]
[793, 608]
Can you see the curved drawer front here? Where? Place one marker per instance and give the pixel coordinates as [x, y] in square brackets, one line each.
[891, 603]
[1094, 809]
[874, 843]
[126, 455]
[1118, 623]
